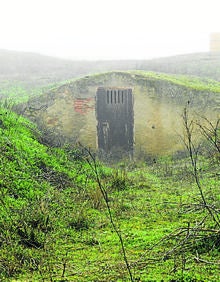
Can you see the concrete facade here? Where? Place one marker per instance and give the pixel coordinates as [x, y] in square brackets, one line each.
[115, 119]
[215, 42]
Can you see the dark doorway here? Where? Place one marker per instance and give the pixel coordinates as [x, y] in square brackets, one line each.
[115, 120]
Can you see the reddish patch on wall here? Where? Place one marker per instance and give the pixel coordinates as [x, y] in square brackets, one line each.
[84, 105]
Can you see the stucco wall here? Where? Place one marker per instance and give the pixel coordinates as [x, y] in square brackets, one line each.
[67, 113]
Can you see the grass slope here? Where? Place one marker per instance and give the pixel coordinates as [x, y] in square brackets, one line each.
[55, 226]
[197, 64]
[187, 81]
[192, 82]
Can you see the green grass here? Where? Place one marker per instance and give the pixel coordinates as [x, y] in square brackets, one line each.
[16, 92]
[188, 81]
[193, 82]
[54, 222]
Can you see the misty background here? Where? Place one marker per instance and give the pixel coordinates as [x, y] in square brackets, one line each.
[108, 30]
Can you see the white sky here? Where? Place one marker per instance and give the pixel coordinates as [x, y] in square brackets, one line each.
[108, 29]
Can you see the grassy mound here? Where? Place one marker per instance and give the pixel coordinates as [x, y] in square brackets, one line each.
[55, 223]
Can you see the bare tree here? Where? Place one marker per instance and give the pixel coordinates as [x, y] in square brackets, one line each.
[193, 151]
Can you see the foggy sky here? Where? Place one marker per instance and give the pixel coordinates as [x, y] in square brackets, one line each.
[101, 29]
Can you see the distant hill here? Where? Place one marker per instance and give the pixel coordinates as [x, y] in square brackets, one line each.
[35, 70]
[198, 64]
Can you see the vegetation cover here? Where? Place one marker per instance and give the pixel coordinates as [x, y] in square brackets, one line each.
[191, 82]
[64, 216]
[67, 216]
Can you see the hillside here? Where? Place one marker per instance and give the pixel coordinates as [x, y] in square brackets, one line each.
[198, 64]
[35, 70]
[64, 216]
